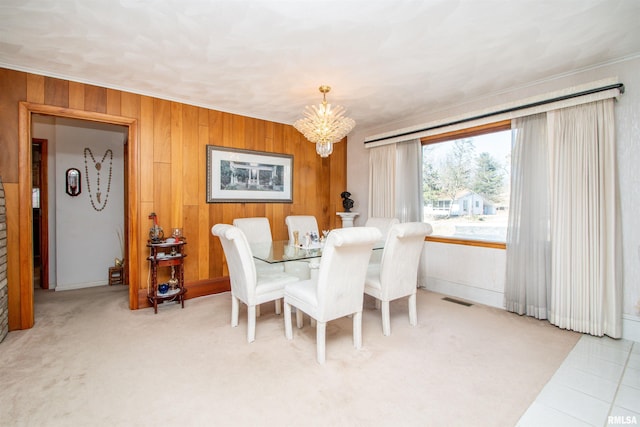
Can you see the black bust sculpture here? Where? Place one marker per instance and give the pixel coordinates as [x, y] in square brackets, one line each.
[347, 203]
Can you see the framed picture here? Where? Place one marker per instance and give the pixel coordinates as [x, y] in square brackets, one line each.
[240, 176]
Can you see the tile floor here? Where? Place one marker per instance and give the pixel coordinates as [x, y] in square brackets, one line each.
[598, 384]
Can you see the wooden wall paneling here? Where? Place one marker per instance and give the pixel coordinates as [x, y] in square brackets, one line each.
[161, 131]
[76, 95]
[196, 194]
[35, 88]
[162, 197]
[130, 106]
[178, 180]
[146, 149]
[191, 230]
[194, 140]
[56, 92]
[25, 222]
[13, 260]
[95, 99]
[237, 137]
[13, 88]
[145, 226]
[114, 99]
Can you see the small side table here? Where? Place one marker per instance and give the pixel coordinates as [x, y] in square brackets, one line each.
[116, 276]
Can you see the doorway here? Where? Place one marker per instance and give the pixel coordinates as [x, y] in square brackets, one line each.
[24, 306]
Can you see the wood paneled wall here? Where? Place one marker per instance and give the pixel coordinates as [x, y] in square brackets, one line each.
[171, 168]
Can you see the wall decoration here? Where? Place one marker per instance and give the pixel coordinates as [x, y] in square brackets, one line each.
[100, 202]
[248, 176]
[73, 180]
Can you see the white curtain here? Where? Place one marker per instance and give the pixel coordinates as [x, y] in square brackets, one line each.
[586, 279]
[528, 238]
[382, 171]
[409, 181]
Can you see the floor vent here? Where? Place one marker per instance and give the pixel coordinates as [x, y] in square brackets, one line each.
[457, 301]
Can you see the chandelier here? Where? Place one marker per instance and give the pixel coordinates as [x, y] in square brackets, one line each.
[324, 124]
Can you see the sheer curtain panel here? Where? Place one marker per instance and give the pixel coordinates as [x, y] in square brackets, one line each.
[409, 181]
[586, 280]
[528, 244]
[382, 171]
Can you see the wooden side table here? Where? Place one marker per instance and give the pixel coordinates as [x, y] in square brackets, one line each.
[166, 254]
[116, 276]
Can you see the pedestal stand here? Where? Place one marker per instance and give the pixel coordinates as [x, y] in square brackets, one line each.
[347, 218]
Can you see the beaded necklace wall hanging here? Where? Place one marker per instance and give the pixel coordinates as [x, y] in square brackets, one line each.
[99, 204]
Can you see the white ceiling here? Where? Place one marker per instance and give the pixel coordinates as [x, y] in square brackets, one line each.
[385, 60]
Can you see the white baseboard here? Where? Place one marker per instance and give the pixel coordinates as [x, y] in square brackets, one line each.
[72, 286]
[631, 327]
[630, 323]
[466, 292]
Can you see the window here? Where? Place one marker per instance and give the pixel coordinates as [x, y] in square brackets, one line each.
[466, 178]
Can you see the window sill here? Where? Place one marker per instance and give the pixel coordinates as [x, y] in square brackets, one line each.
[454, 241]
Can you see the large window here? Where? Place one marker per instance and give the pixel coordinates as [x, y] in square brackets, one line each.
[465, 183]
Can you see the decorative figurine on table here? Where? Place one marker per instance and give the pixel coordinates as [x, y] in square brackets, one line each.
[347, 203]
[155, 233]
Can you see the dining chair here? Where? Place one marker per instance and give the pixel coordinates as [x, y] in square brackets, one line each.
[397, 274]
[247, 285]
[383, 224]
[338, 289]
[258, 230]
[303, 224]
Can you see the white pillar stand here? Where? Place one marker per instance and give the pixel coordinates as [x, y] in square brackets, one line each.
[347, 218]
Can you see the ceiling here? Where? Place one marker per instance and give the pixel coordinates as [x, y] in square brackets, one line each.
[385, 60]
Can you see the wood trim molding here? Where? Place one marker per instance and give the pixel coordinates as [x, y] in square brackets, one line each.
[480, 243]
[25, 111]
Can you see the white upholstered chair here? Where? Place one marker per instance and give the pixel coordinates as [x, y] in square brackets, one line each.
[384, 225]
[258, 230]
[338, 289]
[397, 274]
[302, 224]
[246, 285]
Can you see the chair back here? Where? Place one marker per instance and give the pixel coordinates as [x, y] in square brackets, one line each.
[242, 270]
[343, 268]
[401, 257]
[256, 230]
[382, 224]
[302, 223]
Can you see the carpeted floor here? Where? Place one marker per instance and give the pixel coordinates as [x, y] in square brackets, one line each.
[90, 361]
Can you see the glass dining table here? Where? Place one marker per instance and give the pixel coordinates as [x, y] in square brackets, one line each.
[282, 251]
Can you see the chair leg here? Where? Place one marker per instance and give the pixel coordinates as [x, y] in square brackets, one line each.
[278, 309]
[386, 321]
[413, 311]
[288, 332]
[234, 311]
[251, 324]
[357, 329]
[299, 318]
[321, 328]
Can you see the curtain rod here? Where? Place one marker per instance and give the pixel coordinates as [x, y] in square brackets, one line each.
[507, 110]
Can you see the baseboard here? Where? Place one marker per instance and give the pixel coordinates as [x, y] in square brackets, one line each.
[631, 327]
[465, 292]
[73, 286]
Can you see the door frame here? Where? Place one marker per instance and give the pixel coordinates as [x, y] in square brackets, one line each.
[132, 190]
[44, 212]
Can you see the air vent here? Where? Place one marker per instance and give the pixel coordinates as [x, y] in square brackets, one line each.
[457, 301]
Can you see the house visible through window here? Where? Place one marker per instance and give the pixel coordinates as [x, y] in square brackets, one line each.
[466, 177]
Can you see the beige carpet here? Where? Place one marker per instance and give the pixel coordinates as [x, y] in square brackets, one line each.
[89, 361]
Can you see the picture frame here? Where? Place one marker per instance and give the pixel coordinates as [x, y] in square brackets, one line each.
[247, 176]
